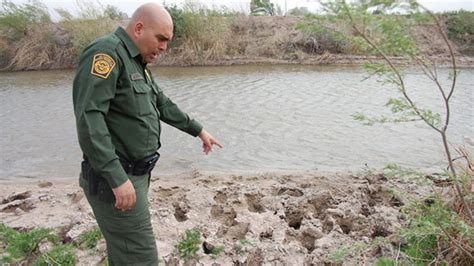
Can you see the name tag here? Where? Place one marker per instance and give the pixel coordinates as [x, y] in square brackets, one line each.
[136, 76]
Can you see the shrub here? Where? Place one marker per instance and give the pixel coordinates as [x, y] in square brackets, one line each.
[15, 20]
[200, 33]
[436, 233]
[460, 26]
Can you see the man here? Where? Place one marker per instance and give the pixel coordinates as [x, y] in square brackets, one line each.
[118, 108]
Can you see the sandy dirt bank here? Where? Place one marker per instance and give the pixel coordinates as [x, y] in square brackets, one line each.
[269, 219]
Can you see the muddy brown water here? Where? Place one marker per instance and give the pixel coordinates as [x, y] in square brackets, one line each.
[269, 118]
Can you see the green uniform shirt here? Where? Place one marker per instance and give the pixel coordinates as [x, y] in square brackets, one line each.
[118, 106]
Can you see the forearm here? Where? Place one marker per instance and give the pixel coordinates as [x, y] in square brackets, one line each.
[172, 115]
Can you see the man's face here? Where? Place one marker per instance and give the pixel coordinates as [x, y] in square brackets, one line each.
[152, 39]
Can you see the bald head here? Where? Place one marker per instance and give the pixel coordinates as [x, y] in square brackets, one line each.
[151, 13]
[150, 28]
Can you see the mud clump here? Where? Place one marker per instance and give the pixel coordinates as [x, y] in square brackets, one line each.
[253, 201]
[181, 208]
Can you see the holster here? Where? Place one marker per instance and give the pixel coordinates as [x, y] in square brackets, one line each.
[142, 166]
[89, 175]
[98, 186]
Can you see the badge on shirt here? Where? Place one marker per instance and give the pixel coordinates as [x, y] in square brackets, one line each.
[102, 65]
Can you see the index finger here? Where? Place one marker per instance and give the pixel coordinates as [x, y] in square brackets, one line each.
[217, 143]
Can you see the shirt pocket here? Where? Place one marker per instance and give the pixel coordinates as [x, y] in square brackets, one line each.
[143, 98]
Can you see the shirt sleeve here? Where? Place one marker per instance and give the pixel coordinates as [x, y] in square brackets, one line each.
[93, 89]
[172, 115]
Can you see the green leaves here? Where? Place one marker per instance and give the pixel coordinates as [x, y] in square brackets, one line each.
[429, 223]
[403, 112]
[189, 245]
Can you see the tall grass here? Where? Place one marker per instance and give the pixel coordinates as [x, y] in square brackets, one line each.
[28, 39]
[91, 22]
[201, 34]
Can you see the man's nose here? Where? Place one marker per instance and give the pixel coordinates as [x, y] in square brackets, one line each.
[162, 45]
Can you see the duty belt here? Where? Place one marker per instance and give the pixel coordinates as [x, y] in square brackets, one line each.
[139, 167]
[142, 166]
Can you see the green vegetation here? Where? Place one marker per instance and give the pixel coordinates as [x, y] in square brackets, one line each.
[91, 23]
[207, 35]
[339, 254]
[216, 251]
[89, 238]
[57, 255]
[21, 244]
[434, 231]
[18, 247]
[460, 27]
[16, 20]
[200, 32]
[189, 246]
[264, 7]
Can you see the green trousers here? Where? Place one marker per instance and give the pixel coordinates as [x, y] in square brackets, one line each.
[128, 235]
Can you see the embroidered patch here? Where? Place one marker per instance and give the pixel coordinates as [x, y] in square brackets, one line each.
[102, 65]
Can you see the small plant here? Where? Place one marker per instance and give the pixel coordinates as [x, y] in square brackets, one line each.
[339, 254]
[89, 239]
[58, 255]
[189, 246]
[21, 244]
[239, 247]
[216, 251]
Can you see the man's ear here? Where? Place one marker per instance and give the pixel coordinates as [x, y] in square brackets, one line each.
[138, 30]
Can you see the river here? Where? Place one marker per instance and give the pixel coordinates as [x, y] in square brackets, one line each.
[269, 118]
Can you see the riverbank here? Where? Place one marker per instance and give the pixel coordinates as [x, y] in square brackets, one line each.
[235, 40]
[288, 219]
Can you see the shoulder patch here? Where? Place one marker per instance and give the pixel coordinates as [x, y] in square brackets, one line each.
[102, 65]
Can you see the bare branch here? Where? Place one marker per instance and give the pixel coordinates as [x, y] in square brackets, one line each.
[390, 63]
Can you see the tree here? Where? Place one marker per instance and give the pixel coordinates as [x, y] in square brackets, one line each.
[114, 13]
[262, 6]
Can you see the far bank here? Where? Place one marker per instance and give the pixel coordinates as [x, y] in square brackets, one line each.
[217, 40]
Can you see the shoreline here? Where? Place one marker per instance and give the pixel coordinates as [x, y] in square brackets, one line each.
[331, 60]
